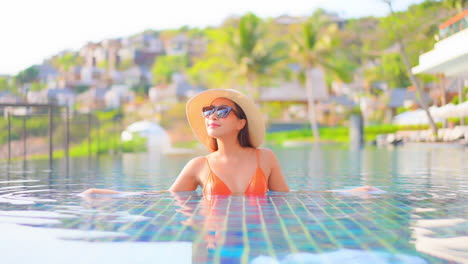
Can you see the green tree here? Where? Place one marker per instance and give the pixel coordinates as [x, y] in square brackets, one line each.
[414, 81]
[359, 39]
[416, 27]
[252, 56]
[5, 85]
[65, 61]
[104, 64]
[459, 5]
[37, 86]
[393, 71]
[165, 66]
[314, 48]
[213, 70]
[125, 65]
[28, 75]
[141, 89]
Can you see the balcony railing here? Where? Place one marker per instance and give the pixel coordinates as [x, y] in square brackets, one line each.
[453, 25]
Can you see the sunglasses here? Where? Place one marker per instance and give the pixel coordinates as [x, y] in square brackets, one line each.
[222, 111]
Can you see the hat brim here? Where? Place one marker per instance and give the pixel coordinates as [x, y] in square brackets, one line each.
[256, 123]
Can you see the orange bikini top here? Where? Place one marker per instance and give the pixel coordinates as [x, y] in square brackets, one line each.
[257, 184]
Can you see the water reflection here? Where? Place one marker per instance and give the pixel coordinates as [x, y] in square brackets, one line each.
[452, 245]
[421, 215]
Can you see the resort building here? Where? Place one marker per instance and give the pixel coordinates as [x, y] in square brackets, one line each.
[449, 58]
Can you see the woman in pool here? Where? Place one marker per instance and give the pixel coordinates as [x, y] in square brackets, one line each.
[231, 126]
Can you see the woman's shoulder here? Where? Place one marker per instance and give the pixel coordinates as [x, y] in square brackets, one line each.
[197, 161]
[268, 153]
[194, 166]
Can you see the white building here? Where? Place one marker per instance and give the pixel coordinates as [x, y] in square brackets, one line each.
[450, 54]
[117, 95]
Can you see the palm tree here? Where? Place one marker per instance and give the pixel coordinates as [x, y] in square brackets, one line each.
[250, 54]
[413, 79]
[313, 49]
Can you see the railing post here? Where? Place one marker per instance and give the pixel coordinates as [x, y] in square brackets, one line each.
[67, 132]
[9, 135]
[89, 134]
[114, 131]
[119, 138]
[98, 139]
[356, 130]
[24, 137]
[460, 98]
[51, 143]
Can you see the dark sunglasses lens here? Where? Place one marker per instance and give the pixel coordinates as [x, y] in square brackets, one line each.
[223, 111]
[207, 111]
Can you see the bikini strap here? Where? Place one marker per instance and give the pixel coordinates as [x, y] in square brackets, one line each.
[257, 152]
[207, 163]
[210, 173]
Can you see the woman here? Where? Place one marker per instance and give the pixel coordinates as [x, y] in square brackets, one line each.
[231, 126]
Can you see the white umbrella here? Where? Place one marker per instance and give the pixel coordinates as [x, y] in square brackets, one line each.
[462, 109]
[435, 111]
[416, 117]
[445, 111]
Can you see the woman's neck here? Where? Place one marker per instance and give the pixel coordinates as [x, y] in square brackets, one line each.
[229, 147]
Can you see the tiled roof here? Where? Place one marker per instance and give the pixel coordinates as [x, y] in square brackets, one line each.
[399, 95]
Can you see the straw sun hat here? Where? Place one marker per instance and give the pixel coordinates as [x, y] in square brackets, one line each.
[256, 124]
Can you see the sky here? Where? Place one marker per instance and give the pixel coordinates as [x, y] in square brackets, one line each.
[32, 30]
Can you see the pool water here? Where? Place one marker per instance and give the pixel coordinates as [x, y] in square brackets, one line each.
[419, 217]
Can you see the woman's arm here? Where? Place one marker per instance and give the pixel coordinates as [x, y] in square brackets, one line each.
[98, 191]
[92, 191]
[276, 181]
[187, 179]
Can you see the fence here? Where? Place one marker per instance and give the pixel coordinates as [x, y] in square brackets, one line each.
[26, 128]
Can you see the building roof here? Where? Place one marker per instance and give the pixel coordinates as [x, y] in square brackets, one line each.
[46, 70]
[398, 96]
[8, 97]
[185, 89]
[292, 92]
[59, 91]
[93, 93]
[342, 100]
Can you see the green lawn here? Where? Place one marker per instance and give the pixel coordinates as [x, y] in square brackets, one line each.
[337, 134]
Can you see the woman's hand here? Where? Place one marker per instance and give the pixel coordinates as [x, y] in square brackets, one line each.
[92, 191]
[365, 189]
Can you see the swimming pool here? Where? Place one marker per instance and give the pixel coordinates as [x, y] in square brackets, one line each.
[420, 218]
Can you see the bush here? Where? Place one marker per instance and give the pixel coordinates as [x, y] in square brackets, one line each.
[338, 134]
[457, 120]
[137, 144]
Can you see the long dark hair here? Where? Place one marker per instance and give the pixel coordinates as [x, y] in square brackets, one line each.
[243, 137]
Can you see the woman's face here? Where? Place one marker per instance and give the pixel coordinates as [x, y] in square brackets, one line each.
[231, 124]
